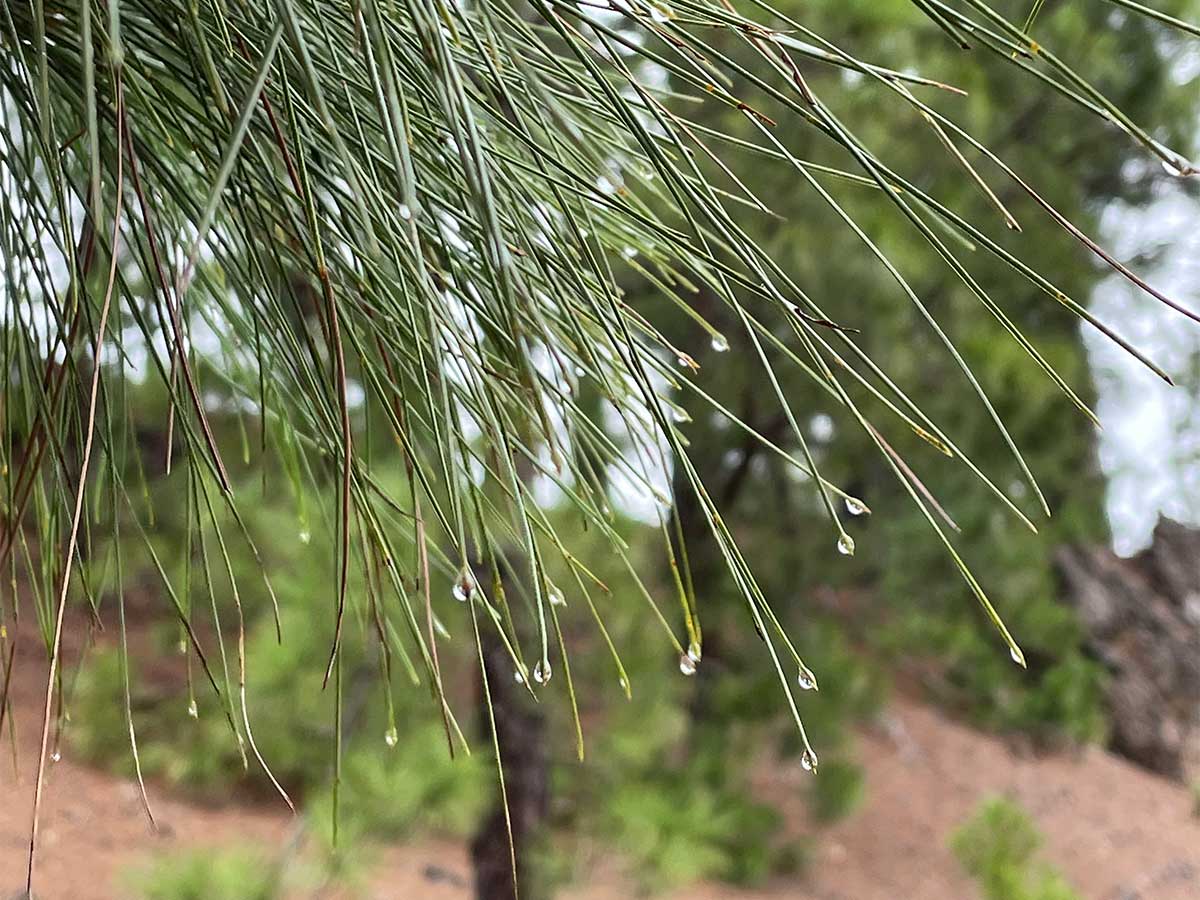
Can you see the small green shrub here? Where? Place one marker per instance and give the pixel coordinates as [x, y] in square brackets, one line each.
[388, 791]
[208, 875]
[997, 847]
[685, 825]
[391, 793]
[837, 791]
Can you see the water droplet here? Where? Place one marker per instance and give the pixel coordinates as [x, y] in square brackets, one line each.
[1017, 656]
[660, 14]
[181, 647]
[855, 507]
[606, 185]
[720, 343]
[628, 252]
[390, 737]
[55, 756]
[193, 709]
[680, 415]
[555, 595]
[808, 761]
[304, 536]
[518, 677]
[441, 628]
[464, 586]
[807, 680]
[541, 672]
[623, 684]
[693, 652]
[687, 665]
[845, 545]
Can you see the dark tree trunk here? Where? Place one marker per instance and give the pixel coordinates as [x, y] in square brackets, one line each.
[521, 734]
[1142, 620]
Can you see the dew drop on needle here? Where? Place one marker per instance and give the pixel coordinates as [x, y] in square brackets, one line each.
[808, 761]
[464, 586]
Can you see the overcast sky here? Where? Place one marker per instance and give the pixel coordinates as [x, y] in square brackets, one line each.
[1150, 446]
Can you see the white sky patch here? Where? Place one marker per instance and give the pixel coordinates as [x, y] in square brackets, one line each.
[1150, 446]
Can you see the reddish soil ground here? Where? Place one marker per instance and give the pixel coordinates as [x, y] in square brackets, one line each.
[1115, 831]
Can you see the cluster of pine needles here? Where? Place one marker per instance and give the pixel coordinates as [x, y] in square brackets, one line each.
[297, 212]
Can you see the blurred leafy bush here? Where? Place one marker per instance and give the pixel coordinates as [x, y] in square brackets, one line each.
[387, 789]
[838, 790]
[208, 875]
[997, 846]
[690, 824]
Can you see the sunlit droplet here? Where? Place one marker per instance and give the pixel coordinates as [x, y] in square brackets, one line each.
[687, 665]
[55, 756]
[181, 647]
[660, 14]
[193, 709]
[390, 737]
[405, 212]
[806, 680]
[304, 536]
[1017, 656]
[845, 545]
[555, 596]
[623, 684]
[541, 672]
[693, 652]
[680, 415]
[518, 677]
[855, 507]
[720, 343]
[628, 252]
[808, 761]
[464, 586]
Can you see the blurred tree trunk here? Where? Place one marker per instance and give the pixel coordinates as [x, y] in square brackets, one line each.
[1141, 617]
[521, 735]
